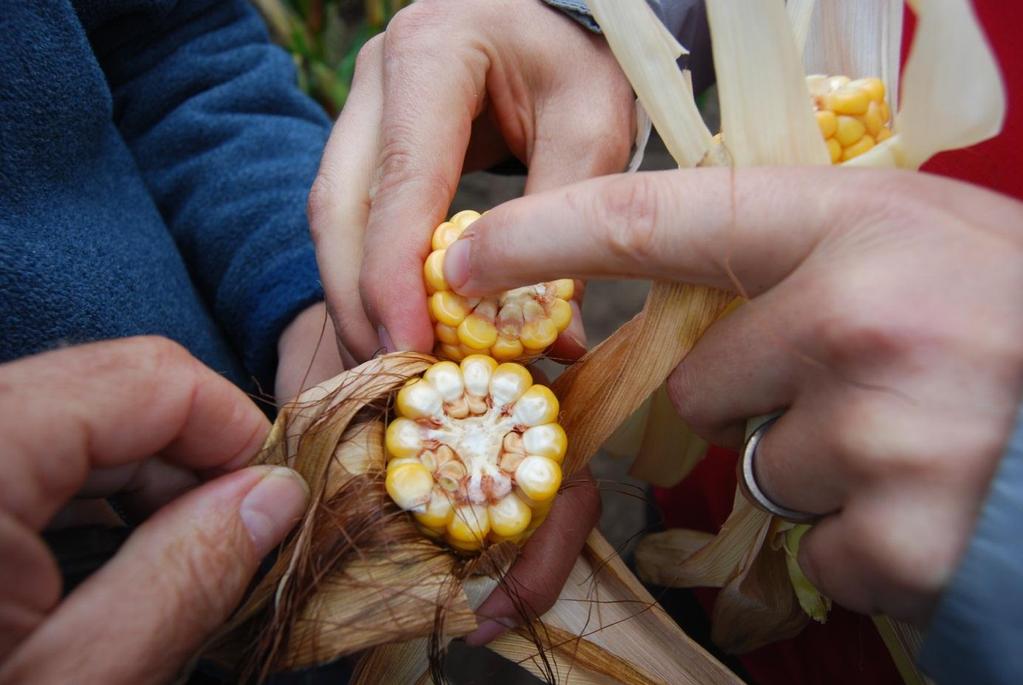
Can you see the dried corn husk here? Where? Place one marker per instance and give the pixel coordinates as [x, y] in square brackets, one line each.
[358, 574]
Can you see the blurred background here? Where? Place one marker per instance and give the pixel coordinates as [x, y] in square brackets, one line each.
[324, 38]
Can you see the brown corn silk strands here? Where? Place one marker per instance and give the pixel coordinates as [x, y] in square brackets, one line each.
[351, 544]
[857, 39]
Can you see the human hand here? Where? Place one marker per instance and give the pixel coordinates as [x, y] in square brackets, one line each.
[307, 353]
[453, 86]
[100, 419]
[535, 579]
[883, 321]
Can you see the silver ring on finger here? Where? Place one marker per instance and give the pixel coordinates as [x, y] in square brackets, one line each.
[751, 489]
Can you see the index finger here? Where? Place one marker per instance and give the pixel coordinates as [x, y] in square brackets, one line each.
[111, 403]
[704, 226]
[434, 84]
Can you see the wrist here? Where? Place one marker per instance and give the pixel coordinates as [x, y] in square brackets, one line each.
[307, 351]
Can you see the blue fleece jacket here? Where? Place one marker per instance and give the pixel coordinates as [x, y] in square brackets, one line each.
[155, 157]
[976, 634]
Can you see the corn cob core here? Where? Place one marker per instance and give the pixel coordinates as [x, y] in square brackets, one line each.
[475, 451]
[853, 115]
[516, 325]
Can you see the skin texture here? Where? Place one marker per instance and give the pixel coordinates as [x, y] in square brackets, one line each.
[93, 421]
[307, 354]
[453, 86]
[883, 320]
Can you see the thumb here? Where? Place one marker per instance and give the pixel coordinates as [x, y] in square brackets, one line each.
[702, 226]
[177, 578]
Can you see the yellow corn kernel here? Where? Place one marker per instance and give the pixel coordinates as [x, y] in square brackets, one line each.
[564, 288]
[446, 334]
[847, 101]
[849, 132]
[872, 119]
[865, 144]
[560, 314]
[438, 512]
[477, 370]
[508, 382]
[886, 113]
[433, 272]
[884, 135]
[419, 400]
[446, 379]
[506, 349]
[452, 352]
[874, 87]
[828, 122]
[509, 517]
[836, 82]
[548, 440]
[477, 334]
[403, 438]
[409, 485]
[444, 235]
[464, 218]
[448, 308]
[468, 527]
[537, 406]
[538, 477]
[834, 149]
[538, 334]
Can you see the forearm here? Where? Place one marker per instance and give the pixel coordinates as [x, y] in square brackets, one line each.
[228, 147]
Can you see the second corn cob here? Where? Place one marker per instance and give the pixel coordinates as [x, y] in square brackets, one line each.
[516, 325]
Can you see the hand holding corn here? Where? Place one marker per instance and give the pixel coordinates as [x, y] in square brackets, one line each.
[883, 320]
[85, 422]
[453, 87]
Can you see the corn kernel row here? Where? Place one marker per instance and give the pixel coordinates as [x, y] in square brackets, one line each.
[475, 451]
[853, 115]
[516, 325]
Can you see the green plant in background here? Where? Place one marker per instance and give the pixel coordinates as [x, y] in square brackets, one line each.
[324, 37]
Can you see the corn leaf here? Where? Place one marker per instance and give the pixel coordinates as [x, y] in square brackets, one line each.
[949, 47]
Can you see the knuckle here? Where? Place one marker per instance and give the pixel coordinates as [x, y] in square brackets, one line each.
[209, 574]
[873, 440]
[685, 397]
[400, 168]
[861, 328]
[627, 213]
[413, 23]
[368, 53]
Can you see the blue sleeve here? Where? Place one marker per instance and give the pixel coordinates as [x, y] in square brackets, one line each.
[685, 19]
[229, 147]
[976, 634]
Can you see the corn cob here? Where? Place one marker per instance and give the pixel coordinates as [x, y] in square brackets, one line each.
[852, 115]
[516, 325]
[475, 451]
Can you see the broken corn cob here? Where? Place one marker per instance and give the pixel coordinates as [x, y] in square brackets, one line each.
[516, 325]
[475, 451]
[853, 115]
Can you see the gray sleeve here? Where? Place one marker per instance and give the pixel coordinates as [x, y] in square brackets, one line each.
[976, 634]
[687, 21]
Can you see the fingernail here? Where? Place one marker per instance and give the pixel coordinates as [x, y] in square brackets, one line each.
[487, 631]
[385, 340]
[272, 507]
[456, 262]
